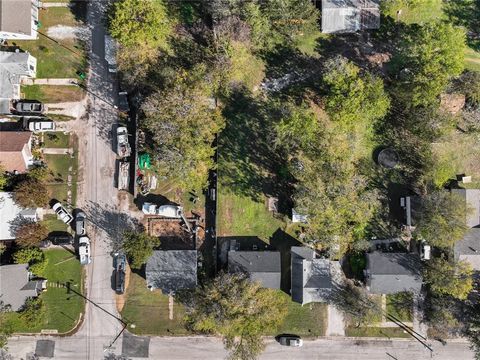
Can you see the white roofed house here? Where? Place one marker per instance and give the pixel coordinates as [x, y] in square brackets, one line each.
[10, 212]
[14, 66]
[348, 16]
[18, 19]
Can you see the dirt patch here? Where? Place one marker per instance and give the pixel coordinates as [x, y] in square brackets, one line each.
[172, 233]
[120, 298]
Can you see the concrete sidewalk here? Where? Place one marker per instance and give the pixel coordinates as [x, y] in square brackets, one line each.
[49, 81]
[57, 151]
[54, 4]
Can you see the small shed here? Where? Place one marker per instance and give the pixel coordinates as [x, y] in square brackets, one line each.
[348, 16]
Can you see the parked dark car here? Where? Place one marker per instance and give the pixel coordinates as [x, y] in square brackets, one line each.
[123, 102]
[120, 261]
[29, 107]
[60, 238]
[290, 340]
[80, 223]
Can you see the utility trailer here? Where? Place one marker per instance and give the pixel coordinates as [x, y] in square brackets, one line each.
[123, 175]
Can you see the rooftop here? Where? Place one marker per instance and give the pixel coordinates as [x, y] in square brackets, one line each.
[389, 273]
[344, 16]
[172, 270]
[9, 212]
[12, 146]
[262, 266]
[15, 286]
[16, 16]
[13, 65]
[468, 248]
[311, 277]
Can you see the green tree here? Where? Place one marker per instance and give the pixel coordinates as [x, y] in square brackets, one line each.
[238, 309]
[427, 57]
[3, 178]
[182, 126]
[449, 278]
[139, 247]
[6, 328]
[33, 312]
[441, 219]
[31, 193]
[140, 24]
[32, 256]
[351, 96]
[30, 234]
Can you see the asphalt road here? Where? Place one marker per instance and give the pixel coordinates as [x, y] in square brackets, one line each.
[193, 348]
[99, 199]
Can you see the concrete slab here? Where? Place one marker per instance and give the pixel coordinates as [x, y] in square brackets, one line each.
[135, 346]
[45, 348]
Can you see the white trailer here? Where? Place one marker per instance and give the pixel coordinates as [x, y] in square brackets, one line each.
[111, 53]
[123, 175]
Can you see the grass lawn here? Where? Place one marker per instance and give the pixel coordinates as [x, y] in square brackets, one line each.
[53, 60]
[242, 216]
[62, 308]
[52, 93]
[376, 332]
[400, 306]
[307, 320]
[53, 223]
[425, 11]
[472, 59]
[57, 182]
[56, 140]
[148, 310]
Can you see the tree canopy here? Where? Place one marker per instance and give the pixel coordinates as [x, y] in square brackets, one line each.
[442, 219]
[30, 234]
[449, 278]
[31, 193]
[238, 309]
[428, 55]
[137, 24]
[182, 126]
[139, 246]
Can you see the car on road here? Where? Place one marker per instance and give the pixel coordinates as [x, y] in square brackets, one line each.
[40, 124]
[62, 213]
[80, 223]
[29, 107]
[120, 268]
[123, 102]
[84, 250]
[290, 340]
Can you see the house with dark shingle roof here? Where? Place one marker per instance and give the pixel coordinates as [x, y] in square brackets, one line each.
[16, 285]
[311, 276]
[18, 19]
[15, 150]
[172, 270]
[468, 248]
[348, 16]
[261, 266]
[390, 273]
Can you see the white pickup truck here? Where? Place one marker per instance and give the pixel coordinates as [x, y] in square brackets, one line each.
[123, 146]
[169, 211]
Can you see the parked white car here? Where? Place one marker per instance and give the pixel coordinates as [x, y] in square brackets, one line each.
[62, 213]
[84, 250]
[39, 125]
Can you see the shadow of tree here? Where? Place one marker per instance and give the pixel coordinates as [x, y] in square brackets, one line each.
[249, 164]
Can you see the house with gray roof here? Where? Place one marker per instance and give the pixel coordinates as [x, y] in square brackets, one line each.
[348, 16]
[14, 66]
[16, 285]
[390, 273]
[18, 19]
[468, 248]
[172, 270]
[311, 276]
[261, 266]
